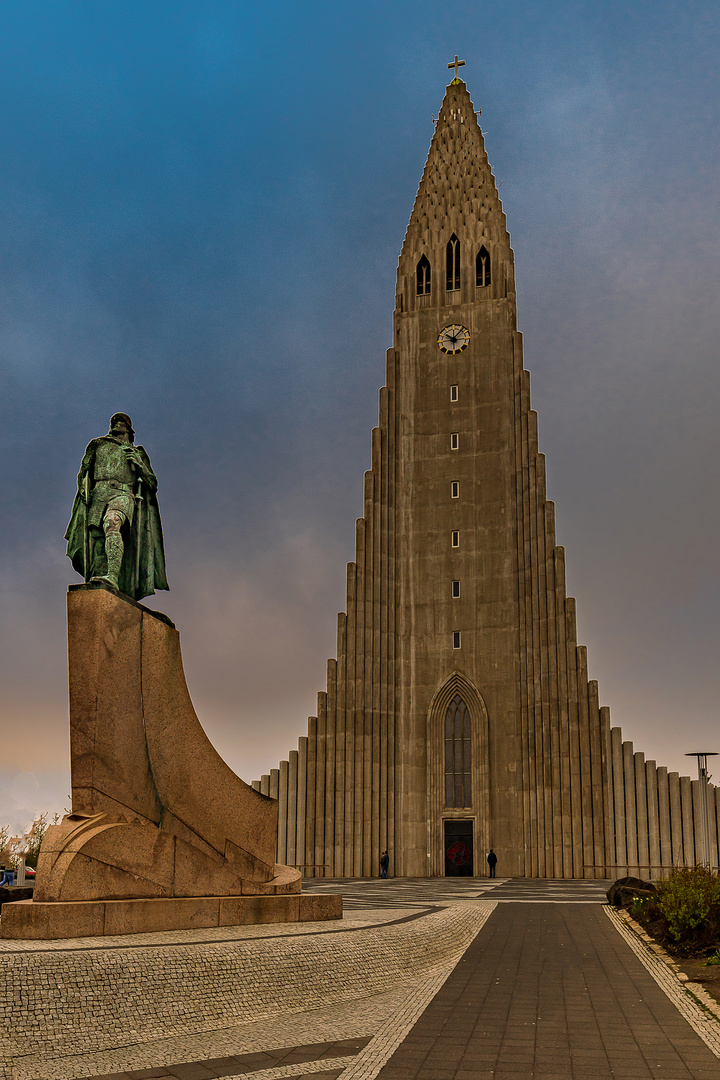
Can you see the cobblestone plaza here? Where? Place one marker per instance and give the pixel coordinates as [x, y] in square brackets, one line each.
[426, 979]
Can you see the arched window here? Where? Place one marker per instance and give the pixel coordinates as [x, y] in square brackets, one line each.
[453, 264]
[423, 277]
[458, 768]
[482, 268]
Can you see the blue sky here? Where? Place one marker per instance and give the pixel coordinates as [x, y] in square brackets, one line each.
[202, 208]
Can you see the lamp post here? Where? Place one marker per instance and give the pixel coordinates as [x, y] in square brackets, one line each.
[703, 777]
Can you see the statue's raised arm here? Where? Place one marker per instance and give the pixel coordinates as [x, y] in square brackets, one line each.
[114, 535]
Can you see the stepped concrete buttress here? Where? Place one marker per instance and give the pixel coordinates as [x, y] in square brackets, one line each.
[163, 835]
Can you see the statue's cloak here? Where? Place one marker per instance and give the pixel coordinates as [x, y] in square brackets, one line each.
[138, 577]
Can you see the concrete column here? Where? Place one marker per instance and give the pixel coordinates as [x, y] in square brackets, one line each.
[320, 776]
[384, 644]
[697, 822]
[712, 826]
[641, 815]
[330, 767]
[574, 727]
[688, 829]
[527, 730]
[292, 807]
[365, 832]
[630, 812]
[301, 808]
[535, 714]
[676, 830]
[377, 576]
[350, 687]
[391, 524]
[274, 783]
[664, 821]
[618, 777]
[598, 788]
[255, 785]
[553, 703]
[340, 748]
[607, 789]
[363, 537]
[653, 819]
[585, 767]
[309, 797]
[283, 813]
[564, 714]
[550, 772]
[265, 783]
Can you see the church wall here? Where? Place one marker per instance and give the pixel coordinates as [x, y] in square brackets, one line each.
[555, 790]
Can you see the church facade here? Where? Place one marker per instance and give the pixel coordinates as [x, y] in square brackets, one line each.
[458, 715]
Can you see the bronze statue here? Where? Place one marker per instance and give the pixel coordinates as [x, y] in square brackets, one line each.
[114, 535]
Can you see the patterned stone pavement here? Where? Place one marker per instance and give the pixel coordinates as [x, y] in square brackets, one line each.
[543, 984]
[360, 894]
[551, 991]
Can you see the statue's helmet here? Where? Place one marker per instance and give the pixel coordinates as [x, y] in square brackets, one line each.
[128, 422]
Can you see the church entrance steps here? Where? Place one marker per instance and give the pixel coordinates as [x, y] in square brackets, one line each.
[366, 893]
[66, 999]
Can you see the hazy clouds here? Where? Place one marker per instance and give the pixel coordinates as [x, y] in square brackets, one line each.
[201, 216]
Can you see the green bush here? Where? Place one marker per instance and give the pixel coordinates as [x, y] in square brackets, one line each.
[689, 903]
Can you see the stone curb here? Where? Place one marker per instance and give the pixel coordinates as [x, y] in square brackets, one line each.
[693, 1002]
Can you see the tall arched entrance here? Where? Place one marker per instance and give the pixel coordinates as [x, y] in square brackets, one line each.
[458, 770]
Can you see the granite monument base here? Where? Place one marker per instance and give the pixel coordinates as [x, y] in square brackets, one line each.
[31, 920]
[163, 835]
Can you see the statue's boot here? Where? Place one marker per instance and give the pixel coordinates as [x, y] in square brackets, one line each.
[114, 553]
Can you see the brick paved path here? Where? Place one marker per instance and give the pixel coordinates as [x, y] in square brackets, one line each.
[552, 991]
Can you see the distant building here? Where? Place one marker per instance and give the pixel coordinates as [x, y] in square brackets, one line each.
[458, 715]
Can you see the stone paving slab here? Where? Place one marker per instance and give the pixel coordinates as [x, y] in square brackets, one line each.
[550, 991]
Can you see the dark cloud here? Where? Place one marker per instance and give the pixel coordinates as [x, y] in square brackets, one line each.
[202, 210]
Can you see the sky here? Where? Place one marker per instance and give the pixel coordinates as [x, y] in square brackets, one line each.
[202, 203]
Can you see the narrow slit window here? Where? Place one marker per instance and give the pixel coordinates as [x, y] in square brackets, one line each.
[452, 264]
[456, 588]
[454, 440]
[456, 539]
[482, 268]
[456, 639]
[458, 754]
[453, 393]
[423, 276]
[454, 489]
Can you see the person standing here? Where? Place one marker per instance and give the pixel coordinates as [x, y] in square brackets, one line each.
[384, 864]
[492, 862]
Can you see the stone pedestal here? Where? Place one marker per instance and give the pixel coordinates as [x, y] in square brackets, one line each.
[162, 835]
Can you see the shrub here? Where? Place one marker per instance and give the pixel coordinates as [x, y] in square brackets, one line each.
[689, 903]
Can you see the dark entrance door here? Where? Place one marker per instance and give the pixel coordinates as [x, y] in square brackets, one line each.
[458, 849]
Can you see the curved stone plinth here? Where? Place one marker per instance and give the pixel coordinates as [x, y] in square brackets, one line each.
[162, 834]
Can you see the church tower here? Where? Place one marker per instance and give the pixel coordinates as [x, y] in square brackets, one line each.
[458, 715]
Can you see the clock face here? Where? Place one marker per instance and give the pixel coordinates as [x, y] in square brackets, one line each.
[454, 339]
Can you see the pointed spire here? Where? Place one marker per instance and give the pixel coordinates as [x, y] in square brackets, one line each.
[457, 188]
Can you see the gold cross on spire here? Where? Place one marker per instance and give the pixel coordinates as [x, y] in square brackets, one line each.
[456, 64]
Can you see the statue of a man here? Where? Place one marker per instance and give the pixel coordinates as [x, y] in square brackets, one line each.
[114, 535]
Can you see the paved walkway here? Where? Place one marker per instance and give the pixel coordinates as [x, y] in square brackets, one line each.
[548, 988]
[550, 991]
